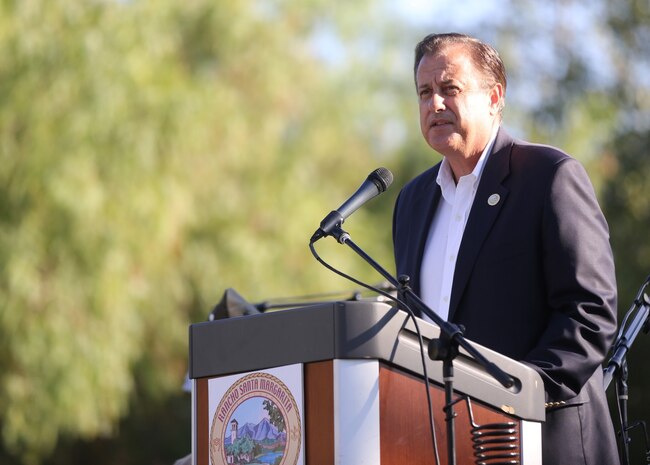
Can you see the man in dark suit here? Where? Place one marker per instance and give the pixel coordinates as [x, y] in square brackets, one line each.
[507, 239]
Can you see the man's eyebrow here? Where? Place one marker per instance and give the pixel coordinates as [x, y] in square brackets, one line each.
[448, 81]
[444, 82]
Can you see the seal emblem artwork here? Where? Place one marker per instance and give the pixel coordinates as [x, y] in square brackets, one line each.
[257, 422]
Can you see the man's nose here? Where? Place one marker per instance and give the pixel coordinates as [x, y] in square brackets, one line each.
[436, 103]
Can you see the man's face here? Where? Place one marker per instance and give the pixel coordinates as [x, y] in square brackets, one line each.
[457, 110]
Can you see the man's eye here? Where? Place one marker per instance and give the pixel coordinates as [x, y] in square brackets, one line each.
[424, 94]
[451, 90]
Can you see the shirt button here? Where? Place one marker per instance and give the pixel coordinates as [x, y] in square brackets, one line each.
[458, 218]
[445, 298]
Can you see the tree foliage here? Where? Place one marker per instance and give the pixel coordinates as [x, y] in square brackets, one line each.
[153, 154]
[626, 192]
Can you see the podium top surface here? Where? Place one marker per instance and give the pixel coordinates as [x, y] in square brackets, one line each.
[353, 330]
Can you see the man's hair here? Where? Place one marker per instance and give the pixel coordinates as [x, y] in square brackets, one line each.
[484, 57]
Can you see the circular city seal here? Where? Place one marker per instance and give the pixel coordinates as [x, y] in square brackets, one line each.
[257, 422]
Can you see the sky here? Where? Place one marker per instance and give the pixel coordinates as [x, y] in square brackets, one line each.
[456, 14]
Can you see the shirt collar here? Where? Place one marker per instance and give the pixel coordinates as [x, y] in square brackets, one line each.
[445, 177]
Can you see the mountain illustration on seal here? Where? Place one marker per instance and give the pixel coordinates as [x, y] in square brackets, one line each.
[263, 431]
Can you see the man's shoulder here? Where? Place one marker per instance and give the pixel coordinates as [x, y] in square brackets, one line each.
[534, 152]
[523, 156]
[544, 151]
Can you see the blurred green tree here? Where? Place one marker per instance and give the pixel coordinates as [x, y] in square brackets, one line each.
[153, 154]
[626, 191]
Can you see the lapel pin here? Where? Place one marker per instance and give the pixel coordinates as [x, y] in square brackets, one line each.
[493, 199]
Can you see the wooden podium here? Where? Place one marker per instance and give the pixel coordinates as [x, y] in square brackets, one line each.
[364, 395]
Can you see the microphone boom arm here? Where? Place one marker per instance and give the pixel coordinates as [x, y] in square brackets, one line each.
[451, 331]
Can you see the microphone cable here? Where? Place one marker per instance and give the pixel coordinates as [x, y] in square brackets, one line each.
[404, 306]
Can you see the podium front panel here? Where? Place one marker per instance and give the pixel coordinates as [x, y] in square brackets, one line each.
[360, 412]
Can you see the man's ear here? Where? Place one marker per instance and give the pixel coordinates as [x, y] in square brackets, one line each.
[496, 98]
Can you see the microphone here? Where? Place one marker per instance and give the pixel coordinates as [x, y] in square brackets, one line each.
[376, 183]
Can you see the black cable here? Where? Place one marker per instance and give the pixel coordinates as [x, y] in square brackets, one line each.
[621, 398]
[404, 306]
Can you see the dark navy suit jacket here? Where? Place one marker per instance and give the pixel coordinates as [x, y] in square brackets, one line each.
[534, 280]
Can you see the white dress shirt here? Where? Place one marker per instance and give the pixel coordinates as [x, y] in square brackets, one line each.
[446, 232]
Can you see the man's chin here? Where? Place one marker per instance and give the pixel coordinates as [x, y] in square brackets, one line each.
[442, 144]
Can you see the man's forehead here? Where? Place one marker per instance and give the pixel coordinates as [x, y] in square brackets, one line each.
[440, 71]
[444, 66]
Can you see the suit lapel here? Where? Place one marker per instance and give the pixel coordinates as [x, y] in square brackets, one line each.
[482, 215]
